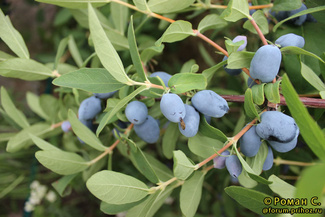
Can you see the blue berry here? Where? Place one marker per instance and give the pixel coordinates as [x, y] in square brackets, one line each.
[136, 112]
[291, 40]
[191, 120]
[172, 107]
[276, 126]
[234, 166]
[66, 126]
[266, 62]
[285, 146]
[301, 19]
[220, 161]
[210, 103]
[104, 95]
[89, 108]
[240, 38]
[250, 142]
[268, 163]
[230, 71]
[163, 75]
[148, 131]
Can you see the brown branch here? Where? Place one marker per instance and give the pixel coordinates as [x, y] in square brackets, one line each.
[308, 102]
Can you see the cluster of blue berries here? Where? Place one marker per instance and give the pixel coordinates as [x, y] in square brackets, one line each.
[206, 102]
[281, 15]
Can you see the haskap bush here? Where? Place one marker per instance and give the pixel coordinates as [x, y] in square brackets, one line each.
[105, 76]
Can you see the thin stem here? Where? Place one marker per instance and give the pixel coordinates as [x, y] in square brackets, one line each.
[215, 45]
[279, 161]
[233, 140]
[110, 149]
[258, 30]
[250, 7]
[162, 185]
[55, 73]
[53, 126]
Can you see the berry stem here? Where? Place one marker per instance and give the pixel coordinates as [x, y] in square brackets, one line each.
[307, 101]
[258, 30]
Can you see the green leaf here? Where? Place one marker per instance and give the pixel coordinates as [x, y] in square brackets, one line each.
[116, 188]
[42, 144]
[211, 21]
[12, 37]
[4, 56]
[120, 16]
[261, 22]
[112, 209]
[309, 129]
[141, 4]
[209, 131]
[162, 171]
[308, 11]
[272, 92]
[232, 46]
[183, 167]
[168, 6]
[150, 52]
[246, 181]
[176, 31]
[249, 104]
[24, 69]
[50, 105]
[73, 48]
[169, 140]
[204, 146]
[119, 41]
[89, 79]
[22, 139]
[104, 48]
[236, 10]
[208, 73]
[135, 53]
[183, 82]
[310, 185]
[281, 187]
[190, 195]
[238, 60]
[61, 185]
[6, 136]
[250, 199]
[11, 110]
[258, 93]
[143, 165]
[84, 133]
[61, 162]
[61, 49]
[311, 77]
[33, 102]
[280, 5]
[117, 108]
[298, 50]
[75, 3]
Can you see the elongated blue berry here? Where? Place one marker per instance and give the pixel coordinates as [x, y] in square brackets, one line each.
[136, 112]
[234, 166]
[268, 163]
[104, 95]
[276, 126]
[266, 62]
[148, 131]
[301, 19]
[285, 146]
[220, 161]
[191, 120]
[240, 38]
[230, 71]
[163, 75]
[210, 103]
[250, 142]
[291, 40]
[172, 107]
[89, 108]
